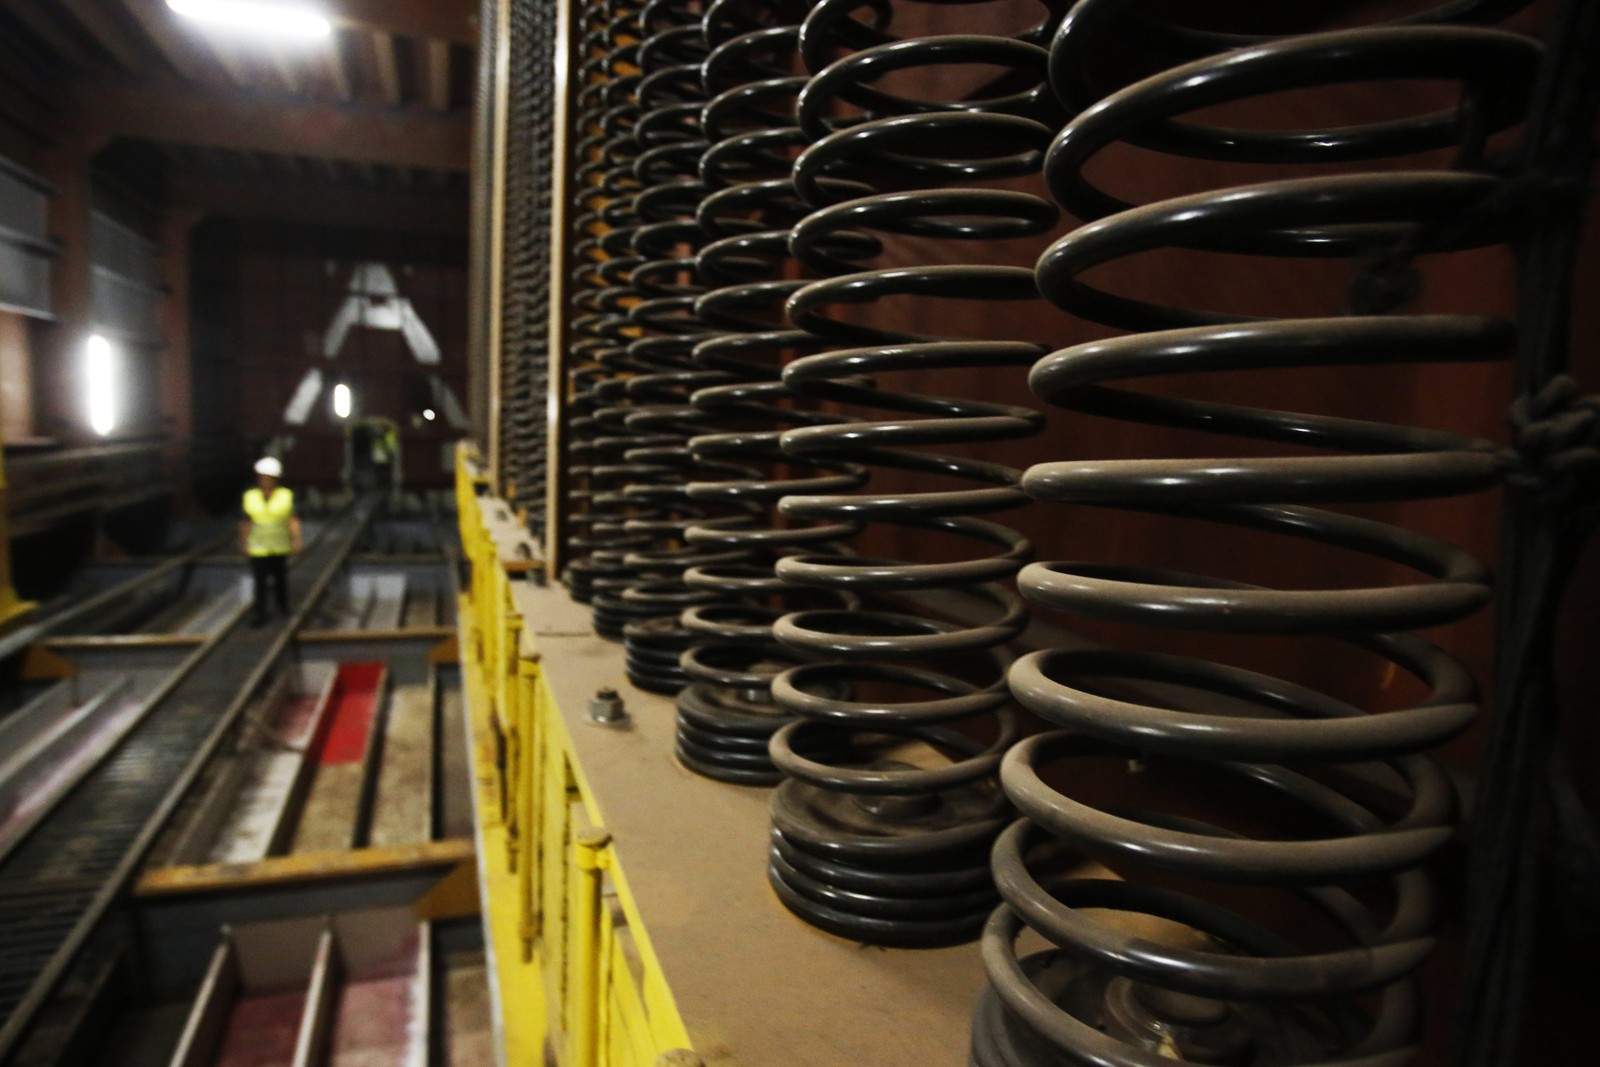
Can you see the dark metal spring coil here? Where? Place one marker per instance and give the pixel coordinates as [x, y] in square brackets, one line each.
[887, 840]
[727, 716]
[645, 611]
[1362, 807]
[605, 113]
[526, 284]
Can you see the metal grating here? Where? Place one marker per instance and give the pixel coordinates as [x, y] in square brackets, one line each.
[56, 884]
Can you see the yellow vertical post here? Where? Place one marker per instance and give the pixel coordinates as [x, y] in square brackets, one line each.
[529, 783]
[11, 605]
[505, 626]
[483, 604]
[511, 718]
[590, 856]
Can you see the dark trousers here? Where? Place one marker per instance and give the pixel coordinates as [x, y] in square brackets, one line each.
[270, 571]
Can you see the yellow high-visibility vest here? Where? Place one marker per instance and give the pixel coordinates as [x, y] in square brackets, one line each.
[269, 521]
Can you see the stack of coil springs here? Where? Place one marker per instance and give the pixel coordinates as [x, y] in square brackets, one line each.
[526, 282]
[882, 828]
[634, 327]
[727, 716]
[660, 465]
[1235, 988]
[605, 111]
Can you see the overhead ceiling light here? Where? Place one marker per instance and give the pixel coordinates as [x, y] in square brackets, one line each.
[428, 414]
[341, 400]
[260, 16]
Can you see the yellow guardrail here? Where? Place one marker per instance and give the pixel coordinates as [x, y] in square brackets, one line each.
[574, 966]
[11, 605]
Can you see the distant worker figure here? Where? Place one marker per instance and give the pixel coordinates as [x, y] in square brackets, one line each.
[373, 454]
[268, 533]
[384, 447]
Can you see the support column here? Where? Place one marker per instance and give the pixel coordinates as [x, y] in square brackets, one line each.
[479, 283]
[501, 59]
[176, 364]
[561, 167]
[16, 377]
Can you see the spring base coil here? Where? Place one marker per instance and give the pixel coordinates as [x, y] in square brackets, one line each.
[602, 572]
[727, 716]
[616, 608]
[836, 862]
[611, 613]
[580, 580]
[1159, 1022]
[645, 617]
[723, 735]
[652, 649]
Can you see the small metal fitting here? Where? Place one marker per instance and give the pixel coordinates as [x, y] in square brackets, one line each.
[605, 708]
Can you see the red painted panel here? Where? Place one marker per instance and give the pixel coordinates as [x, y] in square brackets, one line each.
[355, 702]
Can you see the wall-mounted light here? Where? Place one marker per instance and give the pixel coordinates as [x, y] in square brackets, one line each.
[101, 384]
[428, 414]
[341, 400]
[257, 16]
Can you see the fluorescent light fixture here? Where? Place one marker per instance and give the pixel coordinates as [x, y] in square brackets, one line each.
[341, 400]
[100, 381]
[428, 414]
[257, 16]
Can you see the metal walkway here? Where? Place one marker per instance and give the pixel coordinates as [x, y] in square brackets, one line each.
[56, 885]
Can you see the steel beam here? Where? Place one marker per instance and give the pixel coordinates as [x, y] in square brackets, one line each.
[399, 138]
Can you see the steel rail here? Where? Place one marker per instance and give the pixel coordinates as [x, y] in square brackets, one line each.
[127, 799]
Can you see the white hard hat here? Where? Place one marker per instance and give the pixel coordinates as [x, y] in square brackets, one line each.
[270, 466]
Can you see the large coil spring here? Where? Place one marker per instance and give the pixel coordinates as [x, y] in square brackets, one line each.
[1232, 986]
[631, 342]
[605, 112]
[661, 465]
[727, 716]
[882, 827]
[526, 301]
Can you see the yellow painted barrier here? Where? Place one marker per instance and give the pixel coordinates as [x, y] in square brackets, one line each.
[575, 971]
[11, 605]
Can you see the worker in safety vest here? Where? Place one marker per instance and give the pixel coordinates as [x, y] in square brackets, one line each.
[268, 533]
[384, 447]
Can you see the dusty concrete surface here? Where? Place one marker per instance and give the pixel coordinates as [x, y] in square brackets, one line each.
[468, 1030]
[422, 608]
[373, 1027]
[455, 779]
[402, 807]
[328, 819]
[755, 985]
